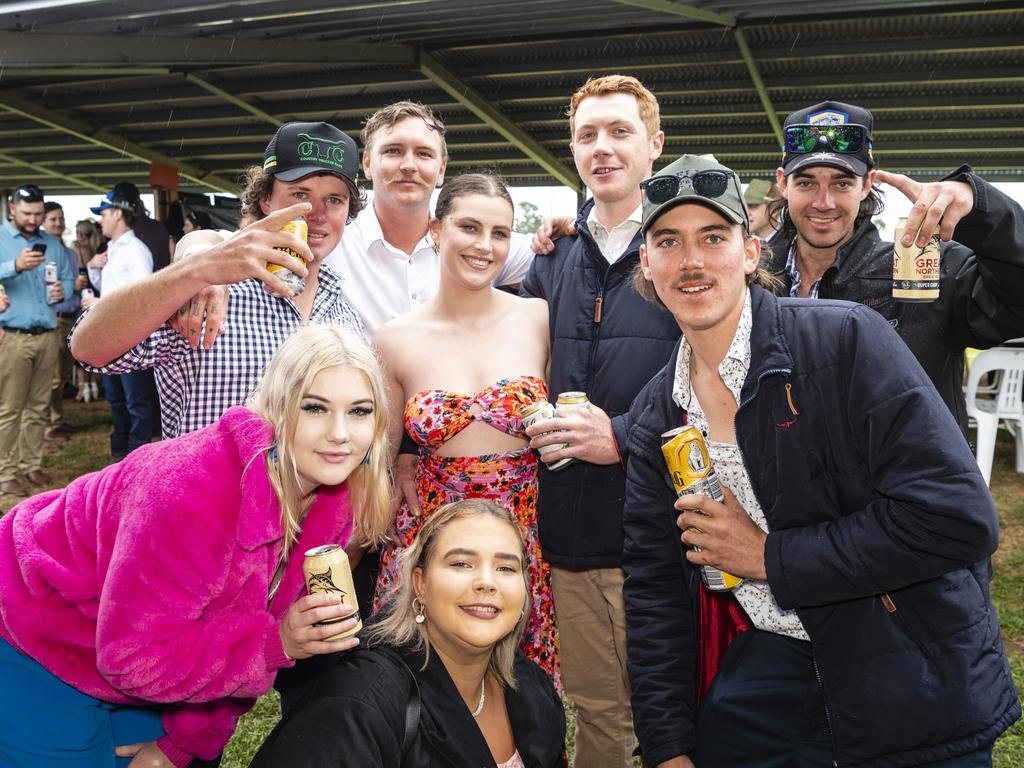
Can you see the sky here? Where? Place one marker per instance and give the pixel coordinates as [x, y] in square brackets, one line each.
[551, 201]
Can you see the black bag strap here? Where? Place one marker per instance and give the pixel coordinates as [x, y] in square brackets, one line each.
[412, 707]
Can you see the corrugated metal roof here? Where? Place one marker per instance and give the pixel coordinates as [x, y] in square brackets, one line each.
[90, 92]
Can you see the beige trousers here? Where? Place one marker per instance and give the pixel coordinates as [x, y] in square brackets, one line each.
[27, 364]
[592, 651]
[62, 371]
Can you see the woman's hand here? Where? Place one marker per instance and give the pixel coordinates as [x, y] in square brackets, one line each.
[300, 636]
[145, 754]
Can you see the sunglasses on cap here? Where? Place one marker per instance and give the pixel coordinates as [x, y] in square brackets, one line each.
[29, 193]
[845, 139]
[710, 184]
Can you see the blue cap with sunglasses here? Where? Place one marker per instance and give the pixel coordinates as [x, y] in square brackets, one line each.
[830, 133]
[114, 200]
[694, 179]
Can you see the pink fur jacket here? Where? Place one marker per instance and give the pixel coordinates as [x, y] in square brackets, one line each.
[147, 582]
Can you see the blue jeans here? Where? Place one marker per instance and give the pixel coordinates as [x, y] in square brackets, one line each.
[45, 723]
[133, 408]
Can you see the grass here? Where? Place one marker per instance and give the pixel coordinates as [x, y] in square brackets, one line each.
[88, 450]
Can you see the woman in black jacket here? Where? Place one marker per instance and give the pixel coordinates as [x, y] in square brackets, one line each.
[440, 682]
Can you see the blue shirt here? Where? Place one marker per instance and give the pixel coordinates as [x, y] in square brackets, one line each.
[27, 290]
[73, 302]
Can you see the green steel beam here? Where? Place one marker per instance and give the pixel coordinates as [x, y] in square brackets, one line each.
[755, 76]
[450, 83]
[33, 49]
[80, 72]
[683, 10]
[112, 142]
[240, 103]
[49, 173]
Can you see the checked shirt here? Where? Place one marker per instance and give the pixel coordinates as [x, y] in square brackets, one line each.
[197, 385]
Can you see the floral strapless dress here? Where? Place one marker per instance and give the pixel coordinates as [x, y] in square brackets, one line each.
[433, 417]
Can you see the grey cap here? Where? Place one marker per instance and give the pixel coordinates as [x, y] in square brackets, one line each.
[730, 204]
[757, 191]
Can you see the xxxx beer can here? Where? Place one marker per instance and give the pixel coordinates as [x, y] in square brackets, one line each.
[569, 400]
[327, 570]
[298, 228]
[689, 465]
[915, 271]
[539, 411]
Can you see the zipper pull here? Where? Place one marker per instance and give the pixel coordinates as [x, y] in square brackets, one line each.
[598, 303]
[789, 399]
[890, 606]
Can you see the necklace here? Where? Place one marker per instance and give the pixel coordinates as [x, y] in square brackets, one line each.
[483, 699]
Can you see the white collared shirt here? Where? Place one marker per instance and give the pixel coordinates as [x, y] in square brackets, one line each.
[128, 262]
[614, 242]
[383, 282]
[754, 595]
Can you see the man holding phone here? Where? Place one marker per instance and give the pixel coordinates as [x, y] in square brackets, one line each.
[28, 355]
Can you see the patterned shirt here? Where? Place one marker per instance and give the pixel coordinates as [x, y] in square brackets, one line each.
[197, 385]
[794, 276]
[754, 595]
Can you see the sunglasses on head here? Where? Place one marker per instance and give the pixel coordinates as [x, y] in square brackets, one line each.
[710, 184]
[28, 193]
[841, 138]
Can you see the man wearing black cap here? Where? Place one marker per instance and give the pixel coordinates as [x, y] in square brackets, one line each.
[308, 172]
[863, 633]
[828, 248]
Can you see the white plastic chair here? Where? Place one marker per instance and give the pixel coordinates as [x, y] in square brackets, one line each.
[1005, 407]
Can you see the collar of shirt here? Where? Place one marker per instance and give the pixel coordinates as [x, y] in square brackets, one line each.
[123, 240]
[369, 228]
[40, 235]
[794, 276]
[733, 368]
[613, 242]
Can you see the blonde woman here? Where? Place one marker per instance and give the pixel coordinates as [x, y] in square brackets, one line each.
[144, 607]
[87, 242]
[449, 646]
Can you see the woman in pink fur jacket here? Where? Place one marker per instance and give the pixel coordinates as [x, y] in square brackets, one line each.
[144, 607]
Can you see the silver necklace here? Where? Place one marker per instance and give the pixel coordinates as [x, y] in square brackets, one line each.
[483, 699]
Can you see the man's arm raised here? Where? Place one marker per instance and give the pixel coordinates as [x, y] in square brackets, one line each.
[121, 321]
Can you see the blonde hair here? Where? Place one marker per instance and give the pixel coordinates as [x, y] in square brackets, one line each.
[647, 104]
[290, 373]
[398, 626]
[87, 240]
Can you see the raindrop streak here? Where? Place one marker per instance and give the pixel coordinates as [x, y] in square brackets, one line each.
[794, 41]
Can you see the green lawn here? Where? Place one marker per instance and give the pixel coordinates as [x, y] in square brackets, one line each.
[88, 450]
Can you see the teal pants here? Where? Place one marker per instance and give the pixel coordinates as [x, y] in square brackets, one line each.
[45, 723]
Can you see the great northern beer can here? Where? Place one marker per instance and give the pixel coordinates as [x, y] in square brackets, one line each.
[689, 465]
[297, 283]
[538, 411]
[915, 271]
[327, 570]
[570, 400]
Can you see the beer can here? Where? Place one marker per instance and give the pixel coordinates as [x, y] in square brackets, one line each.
[327, 570]
[3, 291]
[689, 465]
[297, 283]
[539, 411]
[87, 293]
[570, 400]
[50, 272]
[915, 271]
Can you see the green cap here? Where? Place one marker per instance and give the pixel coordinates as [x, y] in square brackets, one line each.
[756, 192]
[730, 203]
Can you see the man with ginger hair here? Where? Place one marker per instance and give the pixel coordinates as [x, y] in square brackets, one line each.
[608, 342]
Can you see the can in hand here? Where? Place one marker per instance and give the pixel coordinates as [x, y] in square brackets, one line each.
[50, 278]
[689, 465]
[87, 293]
[540, 411]
[297, 283]
[915, 271]
[327, 570]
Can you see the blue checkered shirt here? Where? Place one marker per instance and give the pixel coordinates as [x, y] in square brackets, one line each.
[794, 276]
[197, 385]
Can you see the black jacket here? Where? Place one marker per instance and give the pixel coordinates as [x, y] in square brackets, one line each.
[610, 356]
[870, 489]
[355, 716]
[981, 289]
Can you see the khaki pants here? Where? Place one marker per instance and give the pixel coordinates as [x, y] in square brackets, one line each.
[592, 639]
[27, 363]
[62, 372]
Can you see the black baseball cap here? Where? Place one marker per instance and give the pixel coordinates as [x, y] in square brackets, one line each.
[127, 191]
[832, 113]
[723, 193]
[299, 149]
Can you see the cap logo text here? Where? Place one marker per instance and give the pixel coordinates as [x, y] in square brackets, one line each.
[313, 148]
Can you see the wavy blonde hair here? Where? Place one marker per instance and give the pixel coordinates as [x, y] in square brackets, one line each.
[290, 373]
[398, 626]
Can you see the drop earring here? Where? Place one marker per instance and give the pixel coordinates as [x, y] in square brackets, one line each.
[417, 606]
